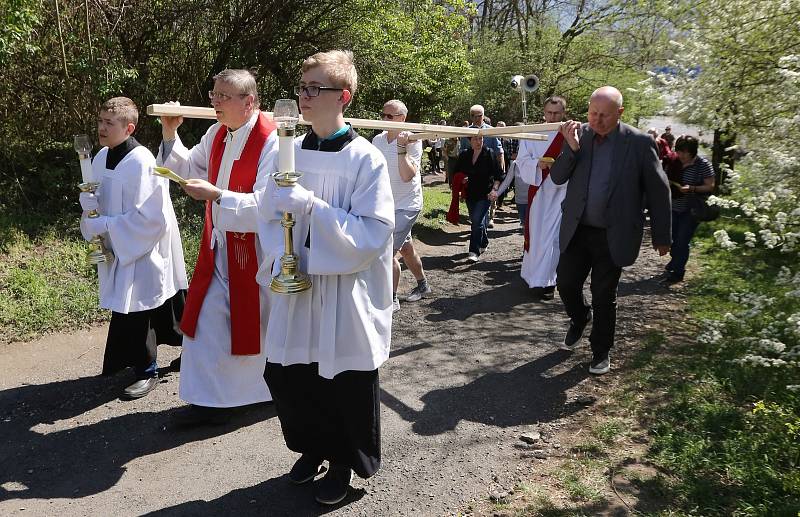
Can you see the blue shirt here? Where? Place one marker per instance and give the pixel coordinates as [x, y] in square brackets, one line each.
[488, 141]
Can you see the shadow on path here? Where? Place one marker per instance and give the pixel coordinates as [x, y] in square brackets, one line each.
[85, 459]
[276, 496]
[524, 395]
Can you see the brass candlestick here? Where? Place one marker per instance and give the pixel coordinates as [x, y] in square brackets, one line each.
[97, 252]
[290, 280]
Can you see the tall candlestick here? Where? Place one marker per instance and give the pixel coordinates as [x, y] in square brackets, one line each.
[290, 280]
[97, 253]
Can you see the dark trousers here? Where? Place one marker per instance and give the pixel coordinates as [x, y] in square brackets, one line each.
[478, 212]
[133, 338]
[683, 228]
[588, 252]
[333, 419]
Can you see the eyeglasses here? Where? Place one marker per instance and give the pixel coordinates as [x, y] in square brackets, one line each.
[314, 91]
[223, 96]
[389, 116]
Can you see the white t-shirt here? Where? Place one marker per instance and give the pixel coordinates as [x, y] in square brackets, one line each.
[407, 195]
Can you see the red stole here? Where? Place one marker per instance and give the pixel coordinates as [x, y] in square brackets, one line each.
[240, 247]
[552, 152]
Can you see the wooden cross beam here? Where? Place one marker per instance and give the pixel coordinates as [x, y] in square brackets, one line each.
[423, 131]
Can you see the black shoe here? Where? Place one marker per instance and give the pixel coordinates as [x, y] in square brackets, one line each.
[332, 488]
[305, 469]
[536, 292]
[672, 278]
[140, 388]
[193, 415]
[175, 365]
[549, 292]
[575, 330]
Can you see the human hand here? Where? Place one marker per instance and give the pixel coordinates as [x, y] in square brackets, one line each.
[169, 125]
[662, 249]
[570, 129]
[88, 201]
[493, 195]
[96, 225]
[402, 138]
[201, 190]
[295, 199]
[685, 189]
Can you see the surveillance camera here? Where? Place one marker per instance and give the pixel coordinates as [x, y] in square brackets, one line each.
[516, 82]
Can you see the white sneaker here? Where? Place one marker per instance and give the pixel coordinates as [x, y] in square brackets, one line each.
[600, 366]
[472, 257]
[395, 305]
[418, 293]
[491, 223]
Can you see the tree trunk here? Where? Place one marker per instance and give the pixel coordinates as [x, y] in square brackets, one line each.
[719, 155]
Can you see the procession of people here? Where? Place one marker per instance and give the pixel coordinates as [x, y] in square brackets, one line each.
[582, 192]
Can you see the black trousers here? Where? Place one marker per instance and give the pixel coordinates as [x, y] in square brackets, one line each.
[133, 338]
[333, 419]
[588, 252]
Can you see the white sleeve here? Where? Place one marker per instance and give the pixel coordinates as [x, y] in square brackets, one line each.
[189, 163]
[528, 163]
[345, 242]
[136, 232]
[414, 150]
[509, 178]
[242, 207]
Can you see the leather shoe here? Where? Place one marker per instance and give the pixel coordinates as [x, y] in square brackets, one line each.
[305, 469]
[140, 388]
[332, 488]
[575, 330]
[193, 415]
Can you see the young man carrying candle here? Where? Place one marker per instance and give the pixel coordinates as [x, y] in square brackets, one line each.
[144, 284]
[324, 345]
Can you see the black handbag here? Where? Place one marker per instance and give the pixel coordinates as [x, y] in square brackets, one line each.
[700, 209]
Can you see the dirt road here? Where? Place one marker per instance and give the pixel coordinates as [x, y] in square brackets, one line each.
[472, 368]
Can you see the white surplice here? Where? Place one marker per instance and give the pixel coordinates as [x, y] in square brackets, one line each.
[539, 263]
[210, 375]
[148, 267]
[344, 321]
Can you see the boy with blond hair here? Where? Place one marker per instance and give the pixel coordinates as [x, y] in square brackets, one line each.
[324, 345]
[144, 284]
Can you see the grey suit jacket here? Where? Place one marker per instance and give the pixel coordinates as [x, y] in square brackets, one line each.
[636, 180]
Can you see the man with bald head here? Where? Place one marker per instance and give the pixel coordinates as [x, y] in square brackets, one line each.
[613, 172]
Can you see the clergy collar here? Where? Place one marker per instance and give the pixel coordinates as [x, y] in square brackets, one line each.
[335, 142]
[117, 153]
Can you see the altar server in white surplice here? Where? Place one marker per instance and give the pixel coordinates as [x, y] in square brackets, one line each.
[540, 258]
[144, 285]
[324, 346]
[222, 364]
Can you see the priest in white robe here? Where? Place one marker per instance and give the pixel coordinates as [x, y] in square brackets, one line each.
[144, 285]
[540, 258]
[324, 345]
[222, 363]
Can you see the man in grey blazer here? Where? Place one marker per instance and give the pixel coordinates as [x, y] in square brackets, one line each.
[613, 172]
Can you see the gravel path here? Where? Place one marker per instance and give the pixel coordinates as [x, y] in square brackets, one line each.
[473, 367]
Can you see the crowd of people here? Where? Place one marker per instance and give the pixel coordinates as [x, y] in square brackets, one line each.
[581, 197]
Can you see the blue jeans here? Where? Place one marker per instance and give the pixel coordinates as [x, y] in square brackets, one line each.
[478, 214]
[522, 211]
[683, 228]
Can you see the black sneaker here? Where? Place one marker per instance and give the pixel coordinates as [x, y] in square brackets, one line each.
[575, 330]
[305, 469]
[600, 364]
[672, 278]
[332, 488]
